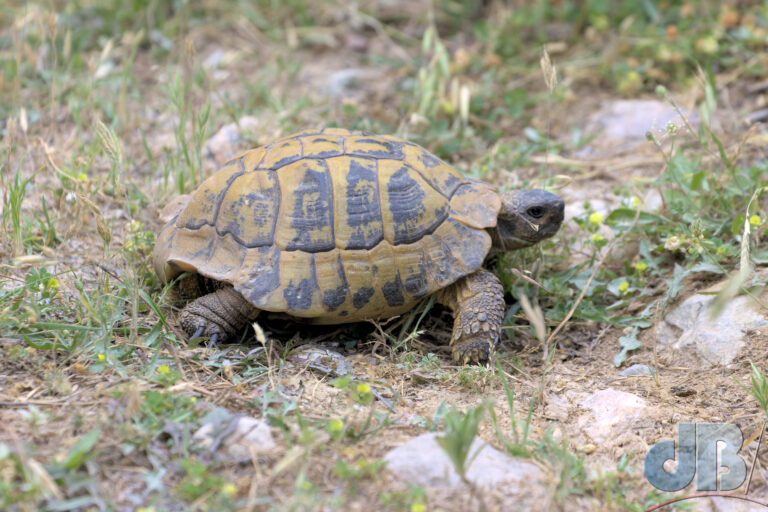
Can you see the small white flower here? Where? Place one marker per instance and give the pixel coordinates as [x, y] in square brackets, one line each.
[672, 243]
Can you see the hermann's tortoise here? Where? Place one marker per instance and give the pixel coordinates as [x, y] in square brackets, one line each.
[338, 226]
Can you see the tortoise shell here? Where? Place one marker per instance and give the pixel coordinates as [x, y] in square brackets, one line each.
[334, 225]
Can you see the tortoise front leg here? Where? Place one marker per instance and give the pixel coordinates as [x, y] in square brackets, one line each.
[477, 302]
[219, 315]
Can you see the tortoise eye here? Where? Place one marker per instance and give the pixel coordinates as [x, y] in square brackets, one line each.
[536, 212]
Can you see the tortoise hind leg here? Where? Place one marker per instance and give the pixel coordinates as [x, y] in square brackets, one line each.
[219, 315]
[477, 302]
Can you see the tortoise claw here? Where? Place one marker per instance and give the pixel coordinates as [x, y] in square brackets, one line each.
[471, 354]
[198, 333]
[213, 340]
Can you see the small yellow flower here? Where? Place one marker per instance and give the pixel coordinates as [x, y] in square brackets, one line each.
[364, 388]
[134, 226]
[336, 426]
[707, 44]
[418, 506]
[755, 220]
[624, 286]
[600, 22]
[720, 250]
[82, 177]
[228, 489]
[635, 202]
[596, 218]
[597, 238]
[102, 357]
[163, 369]
[447, 107]
[53, 283]
[640, 266]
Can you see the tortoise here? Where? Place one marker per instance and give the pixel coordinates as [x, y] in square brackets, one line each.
[335, 226]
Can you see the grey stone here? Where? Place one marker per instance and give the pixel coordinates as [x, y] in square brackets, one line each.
[637, 369]
[225, 143]
[630, 120]
[556, 407]
[611, 414]
[339, 83]
[718, 340]
[423, 462]
[238, 437]
[324, 358]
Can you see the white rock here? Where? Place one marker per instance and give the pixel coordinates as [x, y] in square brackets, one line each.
[423, 462]
[611, 414]
[339, 82]
[717, 340]
[251, 435]
[556, 407]
[223, 145]
[637, 369]
[235, 436]
[630, 120]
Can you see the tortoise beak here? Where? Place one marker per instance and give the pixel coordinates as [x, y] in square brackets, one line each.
[527, 217]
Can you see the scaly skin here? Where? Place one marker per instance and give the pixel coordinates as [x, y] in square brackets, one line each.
[219, 315]
[477, 302]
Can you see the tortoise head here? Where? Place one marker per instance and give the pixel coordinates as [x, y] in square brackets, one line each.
[526, 218]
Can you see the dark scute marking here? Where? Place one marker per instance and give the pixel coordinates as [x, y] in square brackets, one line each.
[212, 201]
[361, 297]
[344, 313]
[393, 292]
[363, 208]
[416, 282]
[205, 251]
[285, 161]
[406, 202]
[430, 160]
[299, 296]
[416, 285]
[262, 278]
[389, 149]
[239, 163]
[261, 207]
[311, 212]
[445, 267]
[452, 182]
[285, 144]
[325, 154]
[322, 139]
[332, 299]
[466, 247]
